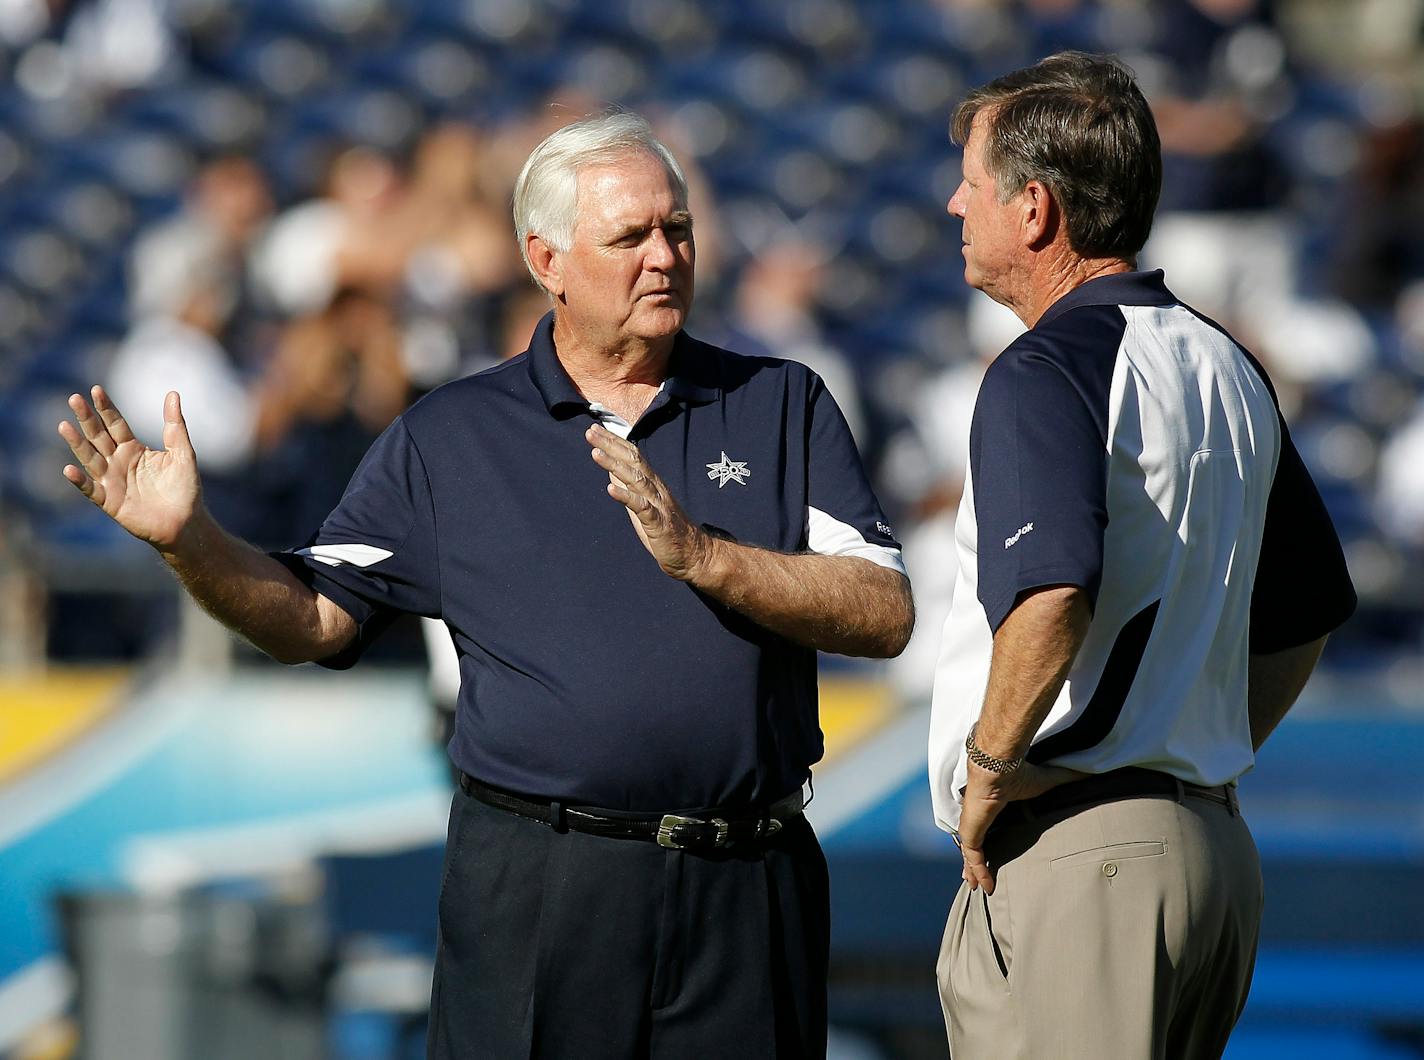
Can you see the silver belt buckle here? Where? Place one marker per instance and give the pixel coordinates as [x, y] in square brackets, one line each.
[670, 821]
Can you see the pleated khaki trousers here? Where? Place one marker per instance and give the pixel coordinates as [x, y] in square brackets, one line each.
[1116, 931]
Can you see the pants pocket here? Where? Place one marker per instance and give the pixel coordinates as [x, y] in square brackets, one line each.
[1112, 853]
[997, 930]
[460, 806]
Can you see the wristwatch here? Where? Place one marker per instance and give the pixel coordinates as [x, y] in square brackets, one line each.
[1001, 766]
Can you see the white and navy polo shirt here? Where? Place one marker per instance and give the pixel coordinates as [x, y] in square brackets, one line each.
[586, 673]
[1130, 447]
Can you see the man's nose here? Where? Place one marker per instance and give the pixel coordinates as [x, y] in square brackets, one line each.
[956, 201]
[660, 254]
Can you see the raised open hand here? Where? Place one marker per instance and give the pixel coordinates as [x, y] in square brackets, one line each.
[663, 526]
[151, 493]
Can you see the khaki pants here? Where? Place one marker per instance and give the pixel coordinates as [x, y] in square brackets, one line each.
[1118, 931]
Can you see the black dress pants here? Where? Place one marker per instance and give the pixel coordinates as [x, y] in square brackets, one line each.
[570, 945]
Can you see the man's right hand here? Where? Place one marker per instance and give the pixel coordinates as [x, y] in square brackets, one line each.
[985, 796]
[151, 493]
[156, 496]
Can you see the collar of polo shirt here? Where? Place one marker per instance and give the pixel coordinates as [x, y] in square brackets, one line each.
[692, 376]
[1122, 288]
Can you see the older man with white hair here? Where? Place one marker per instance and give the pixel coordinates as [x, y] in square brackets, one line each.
[628, 872]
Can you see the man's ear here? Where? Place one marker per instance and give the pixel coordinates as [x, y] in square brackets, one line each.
[547, 264]
[1039, 219]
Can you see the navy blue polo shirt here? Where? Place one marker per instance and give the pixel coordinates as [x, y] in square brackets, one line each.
[587, 674]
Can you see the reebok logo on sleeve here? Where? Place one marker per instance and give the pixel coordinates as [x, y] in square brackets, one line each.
[1010, 542]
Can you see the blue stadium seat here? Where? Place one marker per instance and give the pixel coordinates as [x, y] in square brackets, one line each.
[43, 259]
[277, 66]
[216, 115]
[440, 71]
[146, 165]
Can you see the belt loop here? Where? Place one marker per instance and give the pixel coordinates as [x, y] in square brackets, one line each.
[557, 820]
[1181, 789]
[1233, 802]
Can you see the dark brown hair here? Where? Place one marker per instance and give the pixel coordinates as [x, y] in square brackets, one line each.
[1079, 124]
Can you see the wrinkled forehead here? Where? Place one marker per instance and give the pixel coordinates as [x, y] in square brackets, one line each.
[634, 187]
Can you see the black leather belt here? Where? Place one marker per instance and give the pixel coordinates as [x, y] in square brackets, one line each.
[1131, 782]
[708, 831]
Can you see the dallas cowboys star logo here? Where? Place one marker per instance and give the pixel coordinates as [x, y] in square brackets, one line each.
[726, 471]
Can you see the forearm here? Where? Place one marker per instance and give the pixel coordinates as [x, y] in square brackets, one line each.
[255, 596]
[1274, 683]
[841, 604]
[1033, 651]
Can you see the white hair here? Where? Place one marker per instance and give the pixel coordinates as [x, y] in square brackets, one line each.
[546, 193]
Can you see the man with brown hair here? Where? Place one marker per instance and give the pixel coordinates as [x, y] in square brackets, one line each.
[1147, 577]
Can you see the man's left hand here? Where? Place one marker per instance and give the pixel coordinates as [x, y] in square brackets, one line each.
[679, 547]
[985, 796]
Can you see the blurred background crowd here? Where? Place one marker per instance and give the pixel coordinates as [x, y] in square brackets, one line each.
[296, 213]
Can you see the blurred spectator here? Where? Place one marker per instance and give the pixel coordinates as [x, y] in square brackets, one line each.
[1291, 127]
[117, 45]
[345, 238]
[180, 349]
[186, 289]
[1400, 497]
[523, 309]
[225, 210]
[1220, 74]
[336, 381]
[1218, 77]
[462, 256]
[927, 462]
[941, 408]
[458, 232]
[1382, 244]
[22, 21]
[178, 345]
[22, 605]
[72, 50]
[773, 313]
